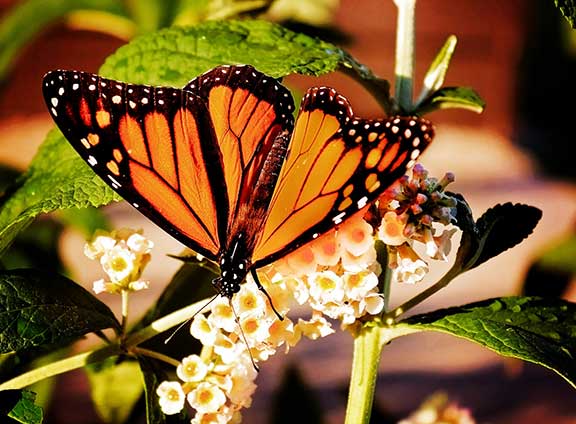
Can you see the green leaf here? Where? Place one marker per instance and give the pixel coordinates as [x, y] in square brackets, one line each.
[39, 308]
[154, 375]
[116, 388]
[174, 56]
[538, 330]
[436, 74]
[45, 188]
[452, 98]
[17, 406]
[25, 20]
[568, 9]
[500, 228]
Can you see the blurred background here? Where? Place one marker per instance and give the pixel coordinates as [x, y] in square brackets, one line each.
[520, 56]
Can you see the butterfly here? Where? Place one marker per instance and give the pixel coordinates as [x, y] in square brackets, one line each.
[222, 166]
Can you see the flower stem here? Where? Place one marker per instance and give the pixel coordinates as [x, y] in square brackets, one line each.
[404, 65]
[156, 355]
[165, 323]
[367, 347]
[391, 316]
[60, 367]
[125, 304]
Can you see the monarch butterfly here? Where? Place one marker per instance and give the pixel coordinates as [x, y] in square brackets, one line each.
[221, 165]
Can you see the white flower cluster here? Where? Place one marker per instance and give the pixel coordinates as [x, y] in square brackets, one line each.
[336, 275]
[123, 255]
[416, 210]
[438, 409]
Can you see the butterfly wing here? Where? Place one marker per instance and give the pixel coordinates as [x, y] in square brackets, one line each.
[251, 113]
[155, 146]
[336, 165]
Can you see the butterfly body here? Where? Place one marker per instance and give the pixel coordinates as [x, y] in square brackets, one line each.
[222, 166]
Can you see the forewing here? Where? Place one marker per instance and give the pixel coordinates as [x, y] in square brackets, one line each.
[151, 145]
[249, 111]
[336, 165]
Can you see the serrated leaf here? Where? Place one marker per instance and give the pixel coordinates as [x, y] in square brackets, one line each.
[46, 188]
[17, 406]
[39, 308]
[538, 330]
[568, 9]
[174, 56]
[499, 229]
[504, 226]
[154, 375]
[27, 18]
[452, 98]
[115, 388]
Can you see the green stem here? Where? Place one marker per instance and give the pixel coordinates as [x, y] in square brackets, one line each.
[125, 304]
[404, 65]
[389, 317]
[156, 355]
[165, 323]
[59, 367]
[367, 347]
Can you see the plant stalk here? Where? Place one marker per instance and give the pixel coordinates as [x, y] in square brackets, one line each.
[60, 367]
[404, 64]
[367, 347]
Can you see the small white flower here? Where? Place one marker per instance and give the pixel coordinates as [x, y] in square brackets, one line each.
[139, 244]
[206, 398]
[326, 286]
[118, 263]
[410, 268]
[101, 243]
[99, 286]
[138, 285]
[192, 369]
[203, 330]
[171, 397]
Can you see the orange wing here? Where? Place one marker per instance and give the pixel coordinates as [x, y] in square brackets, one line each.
[336, 165]
[250, 112]
[150, 144]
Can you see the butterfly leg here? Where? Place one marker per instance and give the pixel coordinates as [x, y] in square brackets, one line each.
[263, 290]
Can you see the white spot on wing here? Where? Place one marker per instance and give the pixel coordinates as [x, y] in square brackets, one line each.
[54, 101]
[92, 161]
[362, 202]
[116, 99]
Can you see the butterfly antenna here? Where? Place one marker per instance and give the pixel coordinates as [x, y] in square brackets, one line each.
[263, 290]
[243, 336]
[191, 318]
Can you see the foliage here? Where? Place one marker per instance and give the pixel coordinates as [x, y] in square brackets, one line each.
[41, 311]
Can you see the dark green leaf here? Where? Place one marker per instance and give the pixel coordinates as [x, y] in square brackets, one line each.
[538, 330]
[23, 22]
[39, 308]
[154, 375]
[452, 98]
[499, 229]
[46, 188]
[505, 226]
[116, 387]
[17, 406]
[294, 391]
[568, 9]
